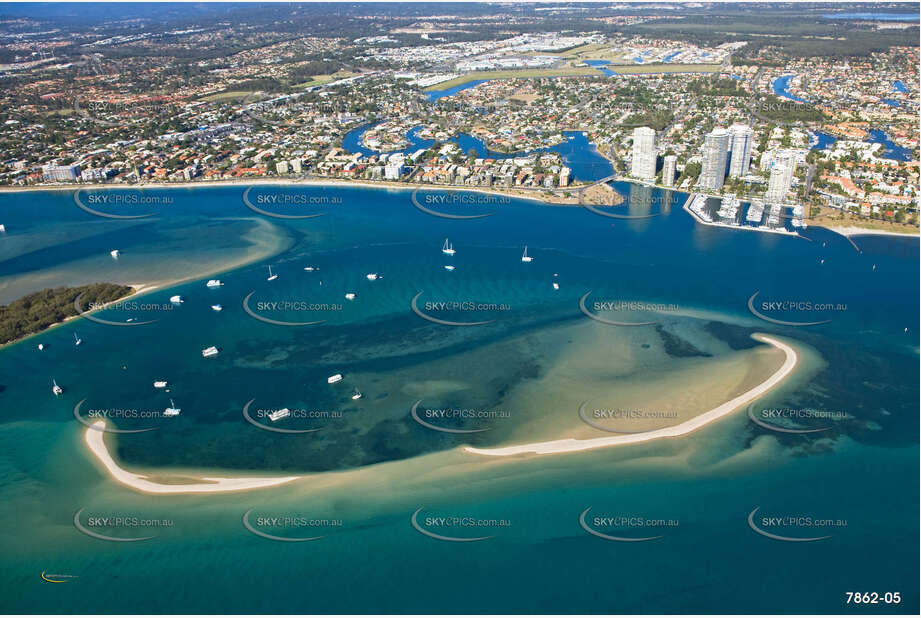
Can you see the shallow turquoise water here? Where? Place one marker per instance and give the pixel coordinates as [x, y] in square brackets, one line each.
[864, 471]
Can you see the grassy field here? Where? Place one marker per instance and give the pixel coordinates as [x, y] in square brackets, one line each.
[319, 80]
[516, 74]
[227, 96]
[632, 69]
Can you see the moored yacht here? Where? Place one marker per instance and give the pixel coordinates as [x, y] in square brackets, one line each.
[209, 352]
[372, 276]
[172, 410]
[214, 283]
[334, 378]
[357, 394]
[177, 299]
[448, 248]
[160, 383]
[350, 296]
[217, 307]
[272, 276]
[77, 340]
[525, 257]
[57, 390]
[114, 253]
[277, 415]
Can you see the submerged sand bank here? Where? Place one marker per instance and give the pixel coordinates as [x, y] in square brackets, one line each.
[572, 445]
[93, 436]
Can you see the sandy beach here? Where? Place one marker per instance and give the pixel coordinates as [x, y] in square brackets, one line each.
[572, 445]
[93, 436]
[860, 231]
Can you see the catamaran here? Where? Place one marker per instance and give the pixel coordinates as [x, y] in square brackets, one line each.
[160, 383]
[214, 283]
[525, 257]
[172, 410]
[114, 253]
[272, 277]
[57, 390]
[209, 352]
[448, 248]
[277, 415]
[334, 378]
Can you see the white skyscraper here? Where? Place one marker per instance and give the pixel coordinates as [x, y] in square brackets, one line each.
[644, 153]
[781, 176]
[668, 170]
[713, 166]
[741, 149]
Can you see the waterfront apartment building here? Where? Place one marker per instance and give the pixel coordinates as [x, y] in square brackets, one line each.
[741, 158]
[669, 169]
[713, 164]
[644, 153]
[782, 169]
[55, 173]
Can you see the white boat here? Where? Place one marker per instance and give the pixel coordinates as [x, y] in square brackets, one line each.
[214, 283]
[448, 248]
[176, 300]
[371, 276]
[57, 390]
[41, 346]
[334, 378]
[209, 352]
[272, 277]
[277, 415]
[357, 394]
[160, 384]
[556, 286]
[350, 296]
[448, 267]
[311, 269]
[77, 340]
[2, 228]
[525, 257]
[217, 307]
[172, 410]
[114, 253]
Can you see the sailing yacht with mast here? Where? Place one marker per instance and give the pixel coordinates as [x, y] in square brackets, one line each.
[525, 257]
[272, 277]
[57, 390]
[448, 248]
[172, 410]
[77, 340]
